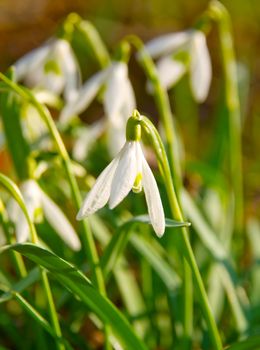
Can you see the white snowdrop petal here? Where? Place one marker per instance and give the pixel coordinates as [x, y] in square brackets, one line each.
[116, 135]
[70, 69]
[51, 82]
[129, 100]
[170, 71]
[86, 138]
[125, 174]
[12, 209]
[98, 196]
[59, 222]
[31, 61]
[22, 230]
[200, 69]
[153, 199]
[30, 193]
[115, 89]
[85, 96]
[118, 119]
[165, 44]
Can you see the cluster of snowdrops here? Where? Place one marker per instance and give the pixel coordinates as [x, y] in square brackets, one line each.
[56, 157]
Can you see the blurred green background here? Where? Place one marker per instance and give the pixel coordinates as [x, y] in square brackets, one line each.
[25, 24]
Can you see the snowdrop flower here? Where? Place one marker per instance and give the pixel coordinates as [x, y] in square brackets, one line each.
[53, 67]
[181, 52]
[118, 100]
[86, 137]
[35, 200]
[128, 170]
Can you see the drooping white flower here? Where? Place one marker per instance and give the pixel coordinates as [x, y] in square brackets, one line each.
[128, 170]
[51, 67]
[86, 137]
[35, 199]
[172, 64]
[118, 101]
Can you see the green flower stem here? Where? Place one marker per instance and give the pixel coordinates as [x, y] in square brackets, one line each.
[16, 194]
[52, 309]
[16, 257]
[157, 144]
[87, 237]
[92, 38]
[10, 106]
[219, 13]
[164, 108]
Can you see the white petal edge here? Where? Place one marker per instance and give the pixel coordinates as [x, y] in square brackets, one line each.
[70, 69]
[86, 138]
[125, 174]
[31, 61]
[98, 196]
[30, 195]
[115, 89]
[15, 213]
[85, 96]
[170, 71]
[153, 200]
[200, 69]
[59, 222]
[116, 134]
[168, 43]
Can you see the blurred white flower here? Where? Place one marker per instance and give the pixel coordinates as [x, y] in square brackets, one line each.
[128, 170]
[86, 137]
[51, 67]
[118, 100]
[179, 53]
[36, 199]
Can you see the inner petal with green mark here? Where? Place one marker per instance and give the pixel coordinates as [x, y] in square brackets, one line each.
[137, 186]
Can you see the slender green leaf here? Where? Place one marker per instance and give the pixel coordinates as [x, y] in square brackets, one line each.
[165, 272]
[252, 343]
[20, 286]
[145, 219]
[204, 231]
[119, 240]
[10, 110]
[80, 286]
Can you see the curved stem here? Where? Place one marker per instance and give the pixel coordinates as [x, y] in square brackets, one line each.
[163, 106]
[157, 144]
[219, 13]
[87, 237]
[17, 257]
[16, 194]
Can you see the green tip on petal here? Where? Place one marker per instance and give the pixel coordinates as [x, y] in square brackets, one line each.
[133, 129]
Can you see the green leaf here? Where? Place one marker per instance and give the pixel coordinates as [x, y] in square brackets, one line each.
[252, 343]
[156, 260]
[16, 194]
[10, 110]
[204, 231]
[119, 240]
[125, 278]
[80, 286]
[145, 219]
[20, 286]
